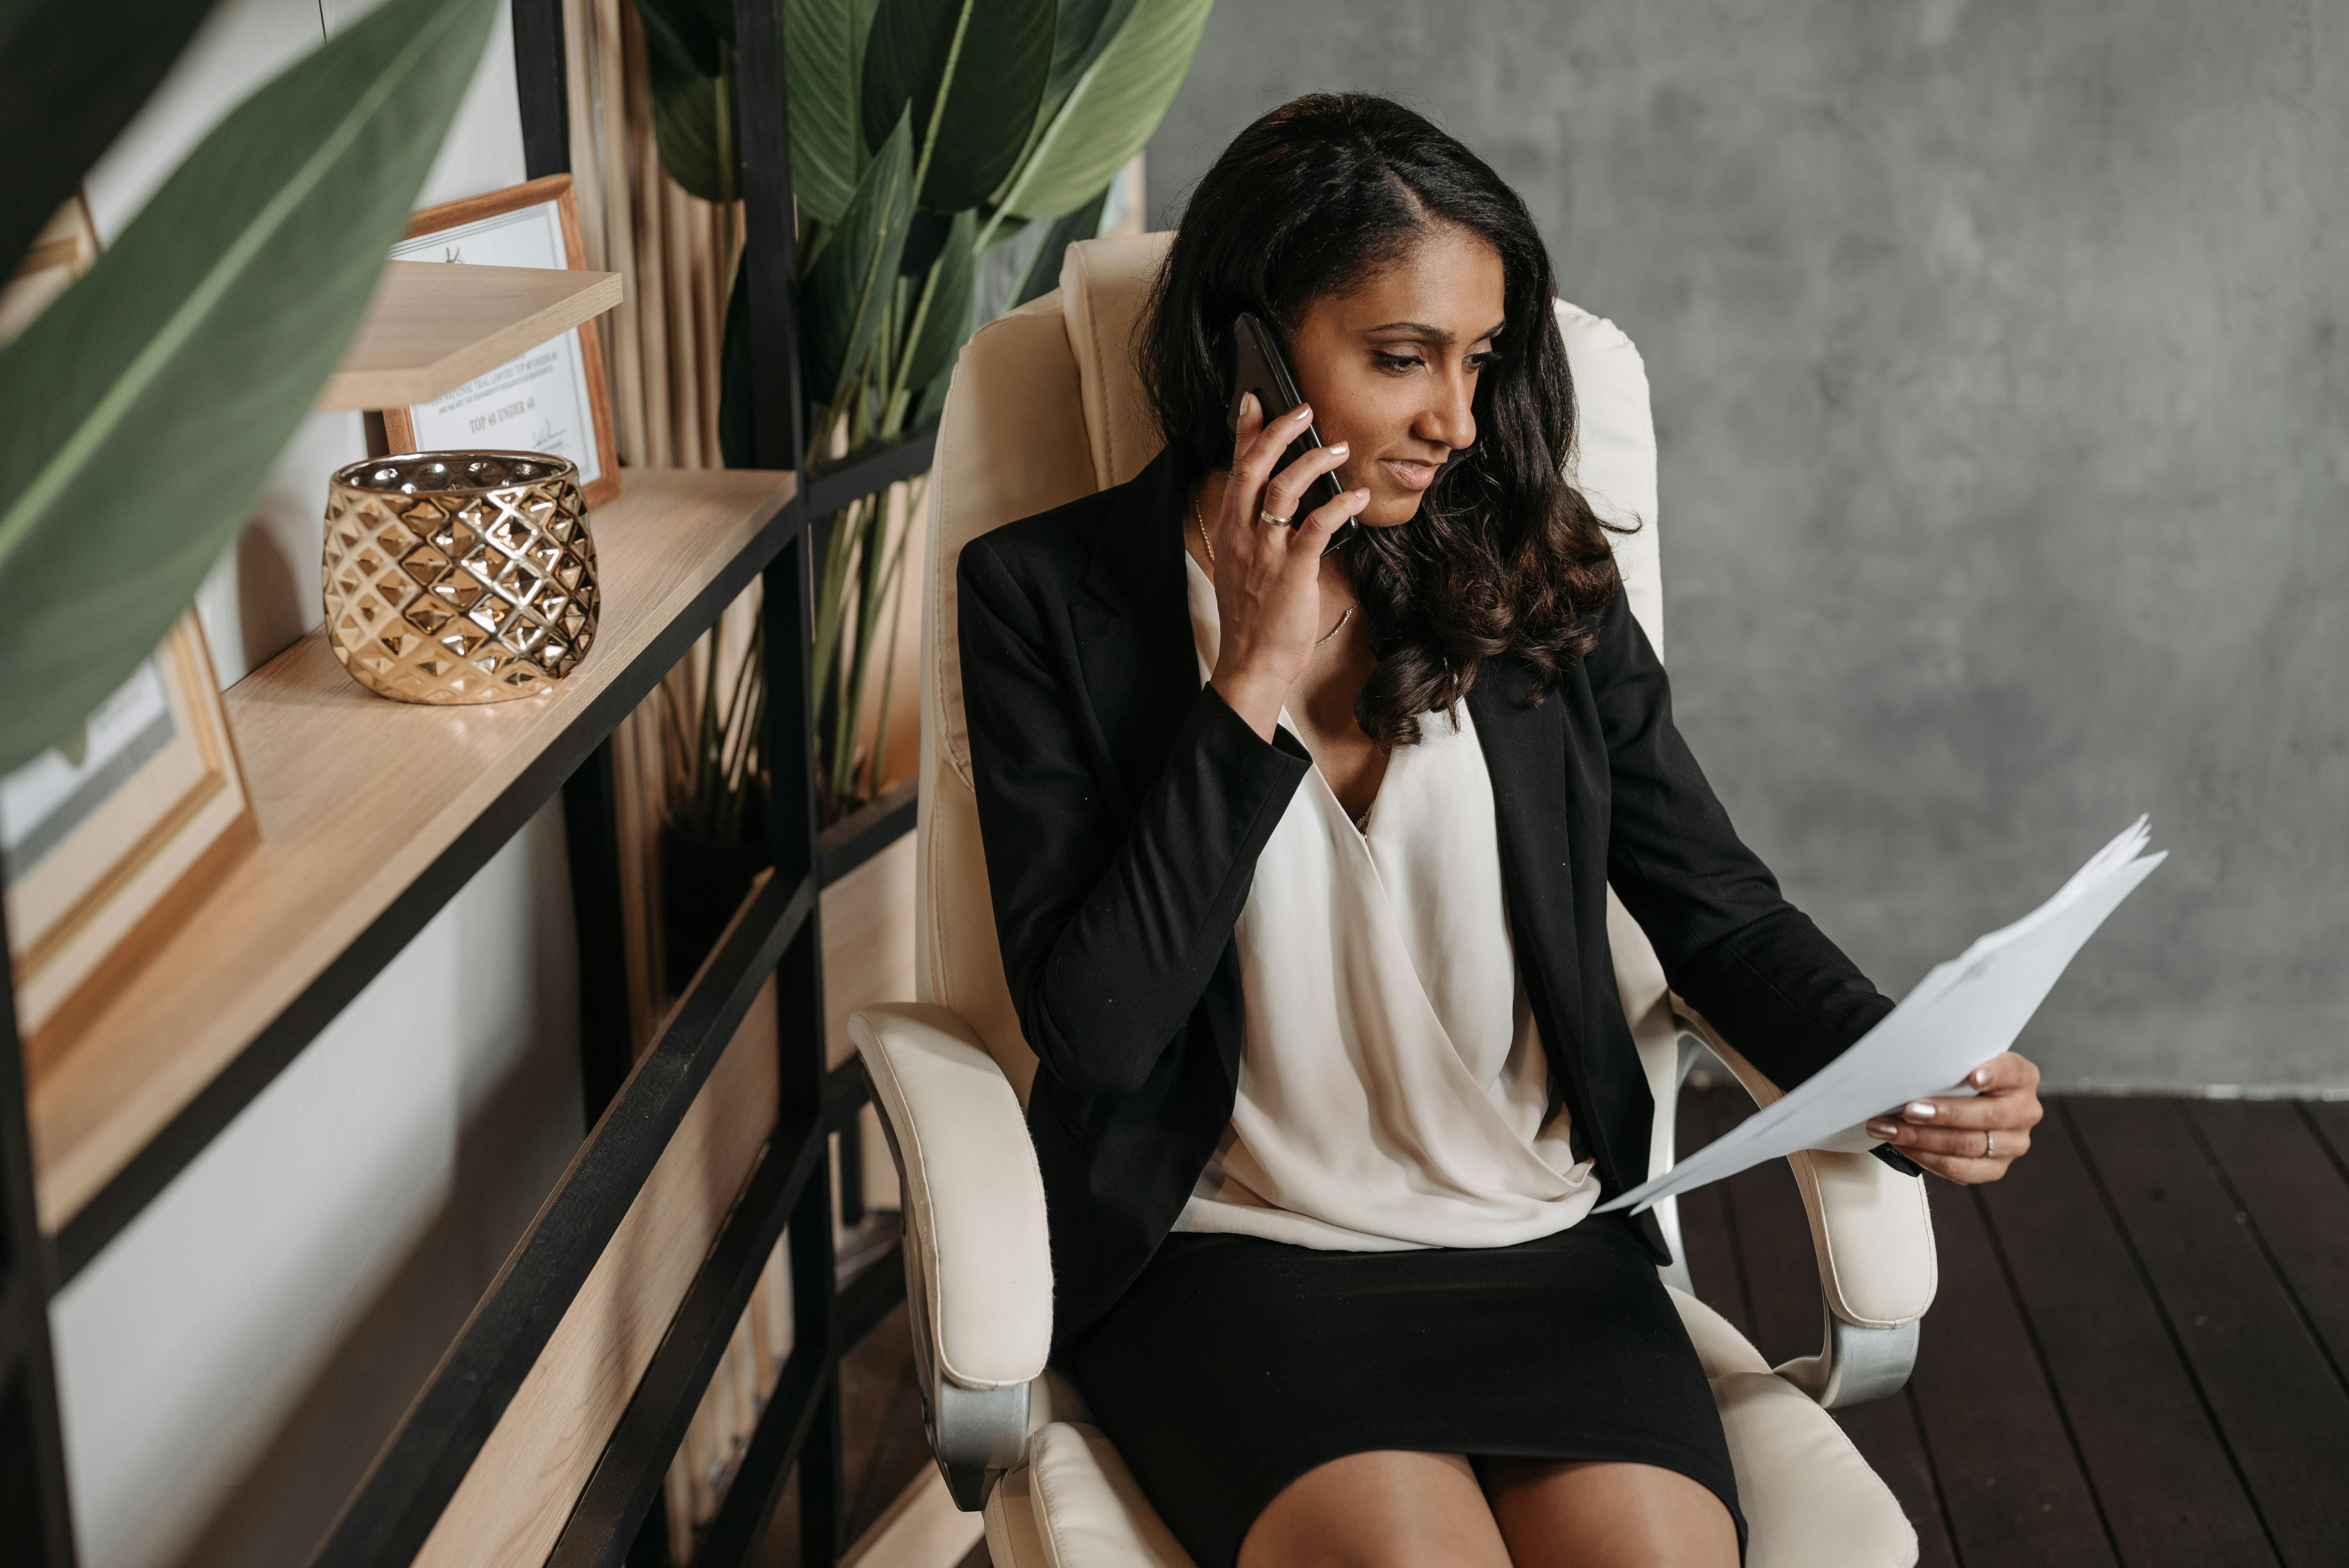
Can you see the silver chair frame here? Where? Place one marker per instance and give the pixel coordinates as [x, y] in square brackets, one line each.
[1854, 1366]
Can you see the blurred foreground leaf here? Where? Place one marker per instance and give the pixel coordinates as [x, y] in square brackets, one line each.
[69, 81]
[140, 413]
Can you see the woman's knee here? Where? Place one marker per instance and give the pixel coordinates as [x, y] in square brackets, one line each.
[1607, 1516]
[1389, 1508]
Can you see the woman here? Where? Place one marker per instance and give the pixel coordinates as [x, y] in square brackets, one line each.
[1299, 865]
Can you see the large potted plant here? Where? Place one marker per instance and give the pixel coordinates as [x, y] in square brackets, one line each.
[925, 135]
[713, 833]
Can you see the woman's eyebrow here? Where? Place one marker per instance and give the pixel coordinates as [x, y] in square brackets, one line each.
[1432, 333]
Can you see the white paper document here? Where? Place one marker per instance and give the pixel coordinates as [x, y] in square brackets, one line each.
[1962, 1014]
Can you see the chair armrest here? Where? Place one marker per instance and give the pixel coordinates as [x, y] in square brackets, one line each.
[974, 1203]
[1869, 1223]
[978, 1264]
[1872, 1232]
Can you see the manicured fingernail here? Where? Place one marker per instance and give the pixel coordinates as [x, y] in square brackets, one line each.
[1981, 1077]
[1340, 449]
[1920, 1111]
[1301, 412]
[1887, 1131]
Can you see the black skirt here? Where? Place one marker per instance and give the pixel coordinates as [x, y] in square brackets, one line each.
[1232, 1366]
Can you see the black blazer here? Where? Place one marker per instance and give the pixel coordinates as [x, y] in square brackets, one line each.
[1123, 807]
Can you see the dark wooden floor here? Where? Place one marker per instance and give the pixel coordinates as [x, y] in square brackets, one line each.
[881, 1434]
[2137, 1357]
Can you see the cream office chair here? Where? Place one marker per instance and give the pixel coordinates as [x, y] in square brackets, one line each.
[1046, 407]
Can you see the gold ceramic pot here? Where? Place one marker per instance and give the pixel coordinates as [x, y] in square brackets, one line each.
[459, 577]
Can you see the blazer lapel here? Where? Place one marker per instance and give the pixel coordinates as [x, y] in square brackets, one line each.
[1525, 753]
[1131, 623]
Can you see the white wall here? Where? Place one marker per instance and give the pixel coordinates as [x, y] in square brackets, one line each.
[231, 1362]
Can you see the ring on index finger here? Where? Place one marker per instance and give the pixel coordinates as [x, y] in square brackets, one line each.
[1268, 517]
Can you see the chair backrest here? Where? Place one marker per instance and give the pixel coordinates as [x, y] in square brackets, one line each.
[1046, 407]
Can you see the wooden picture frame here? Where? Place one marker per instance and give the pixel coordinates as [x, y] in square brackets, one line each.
[108, 840]
[60, 253]
[555, 398]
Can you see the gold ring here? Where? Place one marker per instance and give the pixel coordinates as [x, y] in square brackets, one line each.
[1268, 517]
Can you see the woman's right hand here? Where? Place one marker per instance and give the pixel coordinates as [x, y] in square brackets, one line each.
[1268, 575]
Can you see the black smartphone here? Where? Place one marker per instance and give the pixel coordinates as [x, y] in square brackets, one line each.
[1257, 366]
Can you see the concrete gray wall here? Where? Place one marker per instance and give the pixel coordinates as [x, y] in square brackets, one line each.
[2000, 382]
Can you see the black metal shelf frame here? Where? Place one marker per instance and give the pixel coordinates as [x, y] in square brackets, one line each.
[637, 1108]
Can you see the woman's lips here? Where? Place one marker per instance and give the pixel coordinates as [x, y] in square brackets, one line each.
[1410, 475]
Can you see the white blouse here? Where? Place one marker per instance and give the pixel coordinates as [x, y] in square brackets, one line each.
[1393, 1092]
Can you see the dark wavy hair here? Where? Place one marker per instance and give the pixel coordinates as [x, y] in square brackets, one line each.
[1504, 556]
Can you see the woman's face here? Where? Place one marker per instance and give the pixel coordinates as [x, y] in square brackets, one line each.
[1391, 368]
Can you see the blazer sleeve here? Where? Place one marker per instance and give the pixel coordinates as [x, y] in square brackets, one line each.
[1110, 931]
[1753, 963]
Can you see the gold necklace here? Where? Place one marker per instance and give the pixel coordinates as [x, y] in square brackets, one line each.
[1197, 518]
[1202, 521]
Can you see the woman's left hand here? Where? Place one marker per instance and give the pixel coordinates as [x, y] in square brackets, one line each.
[1969, 1138]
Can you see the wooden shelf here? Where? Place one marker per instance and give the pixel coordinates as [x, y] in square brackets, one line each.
[359, 797]
[433, 327]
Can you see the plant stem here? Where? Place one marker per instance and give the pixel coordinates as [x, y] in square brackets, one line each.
[746, 724]
[724, 87]
[840, 771]
[893, 590]
[705, 743]
[839, 535]
[938, 108]
[848, 720]
[893, 415]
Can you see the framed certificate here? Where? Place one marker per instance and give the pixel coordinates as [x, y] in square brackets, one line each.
[110, 837]
[555, 398]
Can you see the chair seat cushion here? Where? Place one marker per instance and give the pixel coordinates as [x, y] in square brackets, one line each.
[1083, 1509]
[1810, 1501]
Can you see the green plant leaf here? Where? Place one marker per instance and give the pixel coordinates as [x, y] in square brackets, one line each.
[686, 33]
[990, 56]
[692, 126]
[70, 82]
[1084, 30]
[689, 65]
[995, 228]
[947, 320]
[823, 41]
[923, 240]
[1109, 115]
[847, 290]
[735, 438]
[902, 53]
[140, 413]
